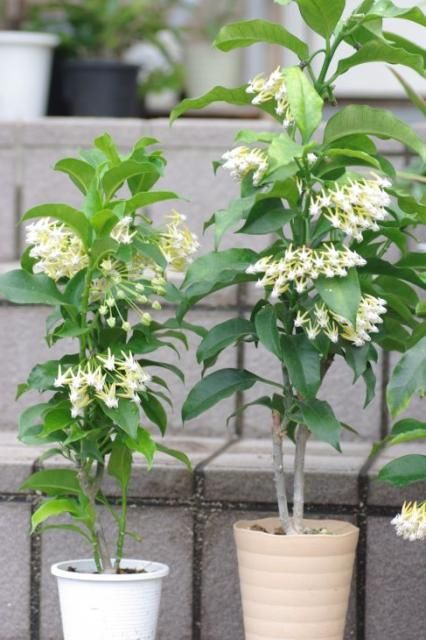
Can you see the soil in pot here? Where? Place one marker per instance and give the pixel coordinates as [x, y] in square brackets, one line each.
[100, 88]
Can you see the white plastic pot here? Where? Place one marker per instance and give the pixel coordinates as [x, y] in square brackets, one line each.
[109, 606]
[25, 65]
[207, 67]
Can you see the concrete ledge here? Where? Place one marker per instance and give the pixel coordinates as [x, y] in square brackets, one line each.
[381, 493]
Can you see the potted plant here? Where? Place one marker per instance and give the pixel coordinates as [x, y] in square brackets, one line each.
[329, 286]
[25, 64]
[204, 65]
[103, 270]
[95, 77]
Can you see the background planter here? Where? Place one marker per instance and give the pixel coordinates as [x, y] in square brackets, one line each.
[207, 67]
[295, 586]
[25, 65]
[102, 88]
[117, 607]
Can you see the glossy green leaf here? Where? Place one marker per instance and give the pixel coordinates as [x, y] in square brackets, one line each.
[379, 50]
[216, 387]
[408, 378]
[28, 419]
[117, 176]
[143, 444]
[25, 288]
[249, 32]
[318, 416]
[120, 463]
[341, 295]
[227, 218]
[223, 335]
[415, 98]
[154, 410]
[266, 328]
[53, 508]
[72, 218]
[101, 248]
[126, 416]
[54, 482]
[303, 362]
[282, 151]
[106, 145]
[141, 200]
[267, 216]
[103, 221]
[361, 119]
[164, 365]
[173, 453]
[305, 104]
[322, 16]
[404, 471]
[80, 172]
[388, 9]
[238, 97]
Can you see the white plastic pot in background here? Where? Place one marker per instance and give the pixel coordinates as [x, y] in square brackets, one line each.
[117, 607]
[206, 67]
[25, 66]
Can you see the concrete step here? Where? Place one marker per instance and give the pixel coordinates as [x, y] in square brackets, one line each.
[186, 521]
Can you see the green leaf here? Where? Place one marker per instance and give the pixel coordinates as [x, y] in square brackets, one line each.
[56, 419]
[101, 248]
[406, 431]
[155, 411]
[141, 200]
[282, 151]
[341, 295]
[80, 172]
[163, 365]
[416, 99]
[126, 416]
[120, 463]
[350, 153]
[238, 97]
[357, 119]
[72, 218]
[216, 387]
[53, 508]
[227, 218]
[117, 176]
[103, 221]
[322, 16]
[179, 455]
[305, 103]
[408, 378]
[221, 336]
[54, 482]
[370, 383]
[266, 216]
[303, 362]
[318, 416]
[25, 288]
[387, 9]
[404, 471]
[249, 32]
[381, 267]
[42, 376]
[30, 418]
[379, 50]
[266, 327]
[143, 444]
[357, 358]
[106, 145]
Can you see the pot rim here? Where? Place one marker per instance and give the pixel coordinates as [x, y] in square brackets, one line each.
[157, 570]
[244, 525]
[36, 38]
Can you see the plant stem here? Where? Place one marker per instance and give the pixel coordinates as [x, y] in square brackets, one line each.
[302, 436]
[277, 453]
[121, 528]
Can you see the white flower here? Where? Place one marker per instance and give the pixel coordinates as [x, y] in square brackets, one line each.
[121, 232]
[272, 88]
[242, 160]
[178, 243]
[410, 524]
[108, 361]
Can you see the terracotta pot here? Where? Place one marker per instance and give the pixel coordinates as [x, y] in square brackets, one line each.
[295, 587]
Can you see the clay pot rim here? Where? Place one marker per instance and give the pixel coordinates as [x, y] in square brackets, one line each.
[244, 525]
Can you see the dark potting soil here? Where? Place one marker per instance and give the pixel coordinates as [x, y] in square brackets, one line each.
[120, 572]
[279, 531]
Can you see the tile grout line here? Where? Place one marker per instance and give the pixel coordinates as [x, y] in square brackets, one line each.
[35, 572]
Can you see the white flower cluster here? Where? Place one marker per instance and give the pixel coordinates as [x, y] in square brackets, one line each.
[410, 524]
[272, 88]
[178, 243]
[120, 281]
[301, 265]
[320, 319]
[242, 160]
[58, 251]
[354, 207]
[105, 378]
[121, 232]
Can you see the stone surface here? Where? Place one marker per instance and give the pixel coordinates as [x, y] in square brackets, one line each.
[8, 214]
[15, 563]
[221, 603]
[16, 462]
[396, 584]
[382, 493]
[167, 537]
[244, 473]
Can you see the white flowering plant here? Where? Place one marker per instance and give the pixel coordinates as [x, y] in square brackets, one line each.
[338, 279]
[103, 268]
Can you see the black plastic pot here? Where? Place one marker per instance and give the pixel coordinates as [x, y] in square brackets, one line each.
[102, 88]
